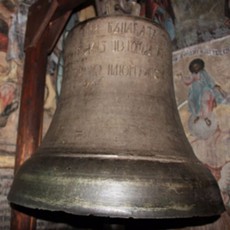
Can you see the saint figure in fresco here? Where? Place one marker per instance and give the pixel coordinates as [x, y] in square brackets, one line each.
[8, 101]
[12, 30]
[110, 7]
[204, 93]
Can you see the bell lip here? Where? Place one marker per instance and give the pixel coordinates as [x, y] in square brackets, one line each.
[85, 220]
[138, 216]
[28, 209]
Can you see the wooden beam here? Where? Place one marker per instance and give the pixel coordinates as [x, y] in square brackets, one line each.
[46, 20]
[30, 120]
[42, 13]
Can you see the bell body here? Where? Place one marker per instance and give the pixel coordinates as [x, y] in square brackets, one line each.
[116, 146]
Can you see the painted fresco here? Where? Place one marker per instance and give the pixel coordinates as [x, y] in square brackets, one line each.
[9, 99]
[201, 76]
[200, 21]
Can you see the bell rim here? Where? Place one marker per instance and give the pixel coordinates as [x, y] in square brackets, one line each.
[98, 203]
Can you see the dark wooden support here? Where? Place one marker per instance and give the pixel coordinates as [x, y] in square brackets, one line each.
[29, 128]
[148, 9]
[46, 21]
[30, 122]
[44, 12]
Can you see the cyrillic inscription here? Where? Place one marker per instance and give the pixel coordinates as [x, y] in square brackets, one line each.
[132, 28]
[133, 46]
[134, 71]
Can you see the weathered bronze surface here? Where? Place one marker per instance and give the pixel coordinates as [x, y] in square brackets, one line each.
[116, 146]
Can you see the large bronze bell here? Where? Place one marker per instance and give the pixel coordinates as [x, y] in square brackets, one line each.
[116, 146]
